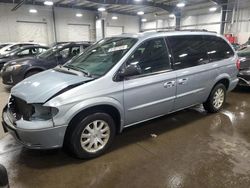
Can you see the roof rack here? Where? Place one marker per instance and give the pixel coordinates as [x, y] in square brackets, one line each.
[172, 29]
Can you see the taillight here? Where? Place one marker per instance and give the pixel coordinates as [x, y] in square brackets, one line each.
[238, 64]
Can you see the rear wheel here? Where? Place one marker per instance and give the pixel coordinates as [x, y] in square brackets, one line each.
[91, 135]
[31, 73]
[216, 99]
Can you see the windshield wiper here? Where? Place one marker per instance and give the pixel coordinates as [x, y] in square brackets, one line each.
[78, 69]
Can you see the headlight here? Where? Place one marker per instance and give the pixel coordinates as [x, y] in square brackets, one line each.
[43, 112]
[12, 68]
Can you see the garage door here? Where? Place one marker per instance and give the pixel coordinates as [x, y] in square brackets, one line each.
[78, 32]
[32, 31]
[112, 31]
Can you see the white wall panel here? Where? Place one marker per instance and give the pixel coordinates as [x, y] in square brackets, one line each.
[113, 31]
[130, 24]
[32, 31]
[78, 32]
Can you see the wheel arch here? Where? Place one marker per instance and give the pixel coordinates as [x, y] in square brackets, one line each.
[33, 69]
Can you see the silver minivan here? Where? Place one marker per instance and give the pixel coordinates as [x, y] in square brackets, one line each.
[119, 82]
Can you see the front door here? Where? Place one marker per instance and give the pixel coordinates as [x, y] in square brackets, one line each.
[152, 92]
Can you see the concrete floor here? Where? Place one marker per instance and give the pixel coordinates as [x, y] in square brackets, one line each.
[187, 149]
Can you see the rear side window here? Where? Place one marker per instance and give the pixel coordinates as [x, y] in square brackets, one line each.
[218, 48]
[188, 51]
[151, 56]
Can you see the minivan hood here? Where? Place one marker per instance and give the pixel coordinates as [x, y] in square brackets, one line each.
[41, 87]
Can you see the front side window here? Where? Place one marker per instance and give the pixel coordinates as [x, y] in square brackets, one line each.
[41, 50]
[75, 51]
[34, 51]
[51, 52]
[188, 51]
[218, 49]
[102, 56]
[151, 56]
[24, 52]
[64, 52]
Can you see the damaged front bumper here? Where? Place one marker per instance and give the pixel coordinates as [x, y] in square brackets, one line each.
[25, 132]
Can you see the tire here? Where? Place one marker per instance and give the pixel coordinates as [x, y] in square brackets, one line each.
[213, 106]
[31, 73]
[79, 138]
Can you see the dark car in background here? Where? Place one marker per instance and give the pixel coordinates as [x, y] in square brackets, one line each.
[19, 69]
[244, 73]
[25, 51]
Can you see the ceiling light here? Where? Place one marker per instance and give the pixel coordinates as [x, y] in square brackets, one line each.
[140, 13]
[114, 18]
[78, 14]
[49, 3]
[212, 9]
[180, 5]
[137, 0]
[171, 15]
[143, 19]
[33, 11]
[101, 9]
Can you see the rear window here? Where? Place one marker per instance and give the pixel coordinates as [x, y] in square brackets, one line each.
[218, 48]
[188, 51]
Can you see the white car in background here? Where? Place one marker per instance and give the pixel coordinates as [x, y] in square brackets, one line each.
[12, 46]
[3, 45]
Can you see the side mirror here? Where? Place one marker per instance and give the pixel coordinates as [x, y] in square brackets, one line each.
[130, 70]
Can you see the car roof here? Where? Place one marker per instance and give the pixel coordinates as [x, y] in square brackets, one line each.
[32, 46]
[73, 44]
[153, 34]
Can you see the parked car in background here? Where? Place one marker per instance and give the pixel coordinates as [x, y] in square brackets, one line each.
[25, 51]
[116, 83]
[60, 43]
[13, 46]
[3, 45]
[244, 74]
[236, 46]
[19, 69]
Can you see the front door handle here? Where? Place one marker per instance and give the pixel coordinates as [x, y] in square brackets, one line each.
[169, 84]
[182, 81]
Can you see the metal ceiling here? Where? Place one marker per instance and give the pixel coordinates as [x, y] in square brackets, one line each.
[116, 6]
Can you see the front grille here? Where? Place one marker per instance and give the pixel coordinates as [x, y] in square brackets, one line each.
[20, 109]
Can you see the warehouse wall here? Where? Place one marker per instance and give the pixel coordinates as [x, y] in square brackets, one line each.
[242, 28]
[9, 21]
[210, 21]
[189, 20]
[129, 23]
[64, 18]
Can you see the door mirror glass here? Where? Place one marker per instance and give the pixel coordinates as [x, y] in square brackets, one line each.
[130, 70]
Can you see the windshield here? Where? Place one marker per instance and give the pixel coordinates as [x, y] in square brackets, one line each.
[102, 56]
[50, 52]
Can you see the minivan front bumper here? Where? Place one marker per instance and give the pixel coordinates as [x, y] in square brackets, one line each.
[47, 138]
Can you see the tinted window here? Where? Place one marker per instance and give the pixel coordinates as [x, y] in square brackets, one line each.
[188, 51]
[151, 56]
[218, 48]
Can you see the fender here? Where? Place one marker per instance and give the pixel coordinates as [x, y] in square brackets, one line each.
[65, 117]
[35, 68]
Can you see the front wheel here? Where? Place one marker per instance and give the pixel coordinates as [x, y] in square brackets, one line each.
[216, 99]
[91, 136]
